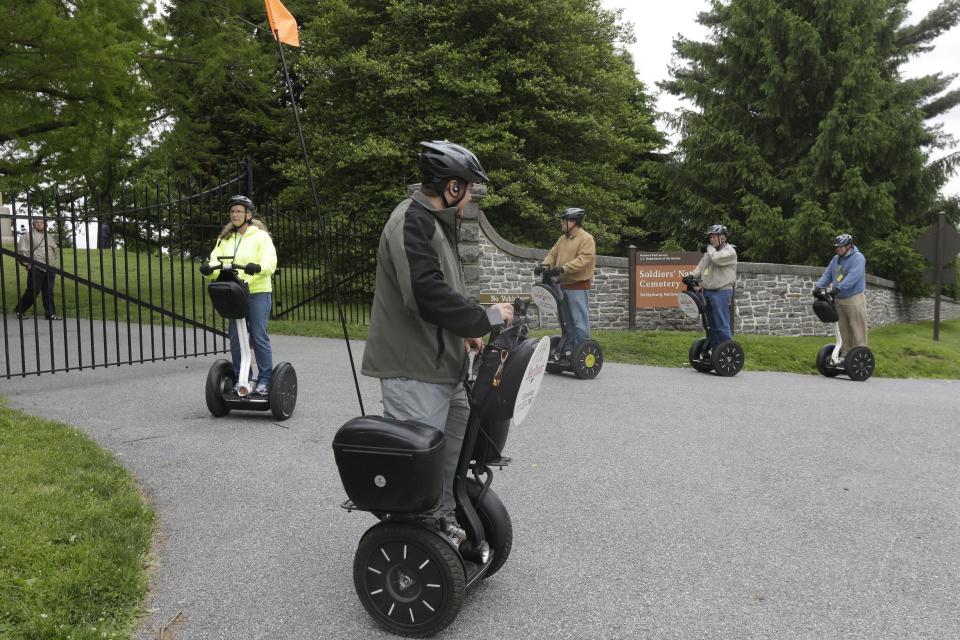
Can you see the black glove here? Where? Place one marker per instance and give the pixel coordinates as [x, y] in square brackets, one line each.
[555, 271]
[538, 270]
[251, 268]
[206, 269]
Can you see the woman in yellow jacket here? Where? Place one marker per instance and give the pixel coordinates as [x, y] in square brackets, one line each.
[247, 240]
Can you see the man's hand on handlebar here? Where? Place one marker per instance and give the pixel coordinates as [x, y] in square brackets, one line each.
[206, 269]
[555, 272]
[506, 311]
[539, 269]
[251, 268]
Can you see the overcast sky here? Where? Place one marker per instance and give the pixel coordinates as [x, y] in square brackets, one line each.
[656, 24]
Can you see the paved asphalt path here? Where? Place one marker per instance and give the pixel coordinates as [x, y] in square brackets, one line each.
[648, 503]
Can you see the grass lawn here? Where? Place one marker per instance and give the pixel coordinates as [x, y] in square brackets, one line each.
[170, 283]
[902, 350]
[74, 535]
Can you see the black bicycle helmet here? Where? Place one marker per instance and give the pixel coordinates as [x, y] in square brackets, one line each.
[843, 240]
[242, 200]
[573, 213]
[443, 160]
[718, 230]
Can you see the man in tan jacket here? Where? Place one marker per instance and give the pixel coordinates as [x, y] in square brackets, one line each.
[573, 259]
[38, 250]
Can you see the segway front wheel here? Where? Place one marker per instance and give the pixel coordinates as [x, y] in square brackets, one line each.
[694, 356]
[587, 360]
[823, 362]
[727, 358]
[409, 579]
[497, 526]
[859, 364]
[219, 381]
[283, 391]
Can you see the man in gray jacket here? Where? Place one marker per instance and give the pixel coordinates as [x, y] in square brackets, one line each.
[718, 268]
[38, 250]
[422, 323]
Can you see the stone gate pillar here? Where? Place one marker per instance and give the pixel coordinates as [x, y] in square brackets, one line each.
[469, 242]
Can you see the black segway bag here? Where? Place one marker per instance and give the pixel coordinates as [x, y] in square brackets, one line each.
[390, 466]
[826, 311]
[495, 390]
[231, 298]
[501, 371]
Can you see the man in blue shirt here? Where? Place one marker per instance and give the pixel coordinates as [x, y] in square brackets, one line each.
[846, 277]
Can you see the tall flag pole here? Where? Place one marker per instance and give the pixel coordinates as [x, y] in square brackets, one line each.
[284, 28]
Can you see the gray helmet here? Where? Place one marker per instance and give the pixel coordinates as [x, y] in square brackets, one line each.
[718, 230]
[573, 213]
[246, 202]
[843, 240]
[444, 159]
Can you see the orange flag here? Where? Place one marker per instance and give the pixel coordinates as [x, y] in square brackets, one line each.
[282, 23]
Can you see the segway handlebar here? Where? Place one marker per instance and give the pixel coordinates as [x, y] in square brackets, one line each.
[227, 264]
[692, 281]
[823, 294]
[545, 276]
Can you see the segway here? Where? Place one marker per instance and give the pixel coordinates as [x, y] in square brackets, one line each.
[859, 362]
[409, 576]
[231, 298]
[726, 359]
[586, 359]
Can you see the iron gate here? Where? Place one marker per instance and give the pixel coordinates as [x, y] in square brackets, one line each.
[126, 288]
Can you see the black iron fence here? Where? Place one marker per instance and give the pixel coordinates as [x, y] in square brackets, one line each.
[107, 281]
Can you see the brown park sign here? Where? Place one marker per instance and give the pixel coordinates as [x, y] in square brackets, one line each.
[655, 277]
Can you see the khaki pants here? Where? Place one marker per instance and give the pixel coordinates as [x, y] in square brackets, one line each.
[853, 321]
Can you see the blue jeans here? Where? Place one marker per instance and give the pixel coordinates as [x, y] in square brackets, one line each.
[718, 315]
[260, 305]
[576, 313]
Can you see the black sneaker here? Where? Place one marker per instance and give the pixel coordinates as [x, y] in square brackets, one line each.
[53, 317]
[19, 315]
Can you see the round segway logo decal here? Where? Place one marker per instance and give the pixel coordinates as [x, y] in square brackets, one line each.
[380, 481]
[688, 305]
[543, 299]
[532, 377]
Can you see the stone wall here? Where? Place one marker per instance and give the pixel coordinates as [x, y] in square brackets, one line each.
[770, 298]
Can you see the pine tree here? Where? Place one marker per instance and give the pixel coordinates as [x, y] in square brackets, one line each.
[805, 128]
[538, 89]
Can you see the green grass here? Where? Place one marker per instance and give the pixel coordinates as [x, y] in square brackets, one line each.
[170, 283]
[902, 351]
[74, 535]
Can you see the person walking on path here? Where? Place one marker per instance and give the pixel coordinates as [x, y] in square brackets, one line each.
[39, 254]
